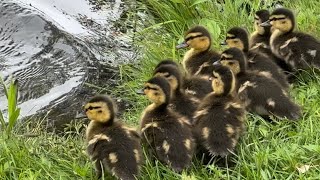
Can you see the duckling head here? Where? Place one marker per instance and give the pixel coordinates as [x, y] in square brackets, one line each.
[100, 109]
[223, 80]
[172, 74]
[281, 19]
[157, 90]
[167, 62]
[197, 38]
[238, 37]
[260, 17]
[234, 59]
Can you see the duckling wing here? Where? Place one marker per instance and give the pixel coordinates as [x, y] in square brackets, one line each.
[301, 51]
[171, 143]
[197, 87]
[219, 127]
[266, 97]
[119, 153]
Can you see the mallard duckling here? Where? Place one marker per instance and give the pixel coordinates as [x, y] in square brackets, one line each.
[261, 95]
[219, 119]
[260, 38]
[196, 86]
[110, 142]
[165, 132]
[179, 102]
[299, 50]
[238, 37]
[200, 56]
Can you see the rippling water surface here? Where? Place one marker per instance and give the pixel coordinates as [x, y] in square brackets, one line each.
[55, 47]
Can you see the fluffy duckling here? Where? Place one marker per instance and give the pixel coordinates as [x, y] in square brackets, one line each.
[110, 142]
[200, 57]
[219, 119]
[260, 37]
[166, 133]
[179, 102]
[196, 86]
[238, 37]
[259, 40]
[299, 50]
[261, 94]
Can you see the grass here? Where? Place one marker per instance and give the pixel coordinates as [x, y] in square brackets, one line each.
[13, 111]
[266, 151]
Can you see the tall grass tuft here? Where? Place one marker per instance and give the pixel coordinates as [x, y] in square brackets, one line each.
[13, 111]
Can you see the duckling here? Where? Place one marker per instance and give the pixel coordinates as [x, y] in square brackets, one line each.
[219, 119]
[179, 101]
[260, 94]
[197, 86]
[200, 56]
[260, 38]
[238, 37]
[166, 133]
[299, 50]
[111, 143]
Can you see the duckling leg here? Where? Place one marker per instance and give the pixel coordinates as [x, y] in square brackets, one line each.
[98, 169]
[267, 118]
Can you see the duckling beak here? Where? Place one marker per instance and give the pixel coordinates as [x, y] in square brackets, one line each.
[223, 43]
[216, 63]
[80, 115]
[182, 45]
[265, 24]
[140, 92]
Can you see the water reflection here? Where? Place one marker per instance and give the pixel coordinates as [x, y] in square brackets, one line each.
[54, 46]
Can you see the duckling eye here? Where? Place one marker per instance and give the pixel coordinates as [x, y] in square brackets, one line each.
[223, 58]
[91, 108]
[167, 75]
[100, 111]
[150, 88]
[283, 22]
[231, 63]
[192, 37]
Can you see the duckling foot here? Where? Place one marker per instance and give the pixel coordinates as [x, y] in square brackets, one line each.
[267, 118]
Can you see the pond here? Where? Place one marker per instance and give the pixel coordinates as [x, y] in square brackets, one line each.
[57, 48]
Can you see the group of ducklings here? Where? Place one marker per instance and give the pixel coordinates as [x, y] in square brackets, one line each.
[201, 106]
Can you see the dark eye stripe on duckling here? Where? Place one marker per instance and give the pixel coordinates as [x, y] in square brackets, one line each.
[92, 107]
[193, 37]
[150, 88]
[230, 36]
[276, 19]
[226, 57]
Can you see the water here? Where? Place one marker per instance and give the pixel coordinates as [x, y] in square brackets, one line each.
[55, 48]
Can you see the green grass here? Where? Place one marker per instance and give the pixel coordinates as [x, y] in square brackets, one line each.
[13, 111]
[266, 151]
